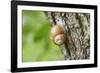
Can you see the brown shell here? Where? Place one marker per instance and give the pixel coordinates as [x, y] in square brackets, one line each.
[56, 30]
[60, 37]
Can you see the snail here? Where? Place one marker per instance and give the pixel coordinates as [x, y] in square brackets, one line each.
[57, 34]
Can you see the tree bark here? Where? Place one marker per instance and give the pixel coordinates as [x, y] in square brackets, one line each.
[77, 31]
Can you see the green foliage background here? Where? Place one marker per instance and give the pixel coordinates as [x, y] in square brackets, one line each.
[36, 45]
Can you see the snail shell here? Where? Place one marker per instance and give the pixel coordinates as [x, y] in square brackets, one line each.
[57, 35]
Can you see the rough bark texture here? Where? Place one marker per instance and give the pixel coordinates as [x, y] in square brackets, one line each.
[77, 31]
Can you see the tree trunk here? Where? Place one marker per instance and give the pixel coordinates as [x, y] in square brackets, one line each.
[77, 31]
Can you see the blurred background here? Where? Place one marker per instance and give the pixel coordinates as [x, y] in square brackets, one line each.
[36, 43]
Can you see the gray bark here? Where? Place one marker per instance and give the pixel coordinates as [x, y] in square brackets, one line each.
[77, 32]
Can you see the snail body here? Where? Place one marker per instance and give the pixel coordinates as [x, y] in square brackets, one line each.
[57, 35]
